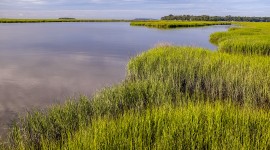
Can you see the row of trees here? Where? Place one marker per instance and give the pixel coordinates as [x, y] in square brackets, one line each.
[216, 18]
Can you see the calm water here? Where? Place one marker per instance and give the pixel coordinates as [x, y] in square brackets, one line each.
[42, 64]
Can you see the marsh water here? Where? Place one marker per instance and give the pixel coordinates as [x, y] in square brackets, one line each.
[44, 63]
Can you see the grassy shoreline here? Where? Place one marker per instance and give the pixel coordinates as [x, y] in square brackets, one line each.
[196, 71]
[247, 38]
[191, 126]
[163, 76]
[176, 24]
[172, 97]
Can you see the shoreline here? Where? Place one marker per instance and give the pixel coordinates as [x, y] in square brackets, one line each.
[166, 76]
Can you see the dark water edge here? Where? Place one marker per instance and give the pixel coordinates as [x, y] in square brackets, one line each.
[43, 64]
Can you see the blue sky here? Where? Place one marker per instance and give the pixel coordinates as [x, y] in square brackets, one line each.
[129, 9]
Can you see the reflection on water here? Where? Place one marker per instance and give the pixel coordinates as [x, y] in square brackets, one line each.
[42, 64]
[40, 80]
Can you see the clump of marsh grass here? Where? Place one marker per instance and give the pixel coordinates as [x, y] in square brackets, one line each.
[53, 124]
[195, 71]
[192, 126]
[203, 125]
[59, 122]
[249, 39]
[259, 45]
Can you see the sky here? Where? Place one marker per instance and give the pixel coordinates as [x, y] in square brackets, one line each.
[130, 9]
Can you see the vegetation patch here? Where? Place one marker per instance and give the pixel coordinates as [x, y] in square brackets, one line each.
[248, 39]
[188, 126]
[244, 79]
[176, 24]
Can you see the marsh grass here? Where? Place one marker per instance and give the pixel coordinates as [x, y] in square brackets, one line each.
[59, 122]
[187, 126]
[176, 24]
[259, 45]
[248, 39]
[173, 97]
[195, 71]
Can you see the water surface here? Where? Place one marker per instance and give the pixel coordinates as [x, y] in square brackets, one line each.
[44, 63]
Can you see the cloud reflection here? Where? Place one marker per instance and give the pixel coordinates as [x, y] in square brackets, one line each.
[41, 80]
[43, 64]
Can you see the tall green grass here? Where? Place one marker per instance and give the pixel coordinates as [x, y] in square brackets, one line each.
[248, 38]
[58, 122]
[246, 45]
[176, 80]
[188, 126]
[176, 24]
[195, 71]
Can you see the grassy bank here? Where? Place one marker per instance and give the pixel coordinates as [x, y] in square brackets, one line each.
[247, 38]
[58, 20]
[188, 126]
[194, 71]
[171, 97]
[176, 24]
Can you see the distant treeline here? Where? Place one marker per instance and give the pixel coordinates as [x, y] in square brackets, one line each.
[216, 18]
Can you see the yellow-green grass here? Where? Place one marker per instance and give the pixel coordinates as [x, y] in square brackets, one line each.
[176, 24]
[187, 126]
[247, 38]
[244, 79]
[58, 122]
[58, 20]
[177, 79]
